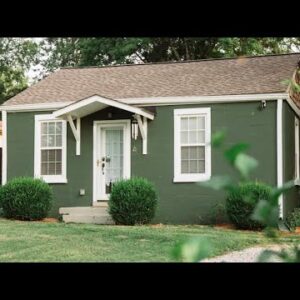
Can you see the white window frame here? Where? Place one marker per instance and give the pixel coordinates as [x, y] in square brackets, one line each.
[37, 150]
[178, 176]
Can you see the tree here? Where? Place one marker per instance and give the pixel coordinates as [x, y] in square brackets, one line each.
[16, 57]
[60, 52]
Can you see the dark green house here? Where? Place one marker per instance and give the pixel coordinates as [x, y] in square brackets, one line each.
[81, 129]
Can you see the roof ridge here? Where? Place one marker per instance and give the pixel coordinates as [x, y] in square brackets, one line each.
[179, 62]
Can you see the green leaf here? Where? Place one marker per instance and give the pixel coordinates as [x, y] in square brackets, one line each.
[218, 138]
[286, 81]
[276, 192]
[232, 153]
[266, 255]
[192, 250]
[218, 182]
[245, 164]
[262, 211]
[265, 212]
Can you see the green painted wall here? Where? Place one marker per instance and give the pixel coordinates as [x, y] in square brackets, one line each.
[292, 197]
[179, 202]
[20, 148]
[188, 202]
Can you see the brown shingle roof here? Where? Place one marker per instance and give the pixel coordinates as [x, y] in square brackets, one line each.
[248, 75]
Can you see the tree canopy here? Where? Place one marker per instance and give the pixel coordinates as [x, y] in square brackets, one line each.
[17, 55]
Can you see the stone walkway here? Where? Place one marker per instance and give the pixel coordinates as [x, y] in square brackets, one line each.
[246, 255]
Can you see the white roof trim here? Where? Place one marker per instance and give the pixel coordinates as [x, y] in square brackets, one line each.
[155, 101]
[35, 107]
[94, 103]
[202, 99]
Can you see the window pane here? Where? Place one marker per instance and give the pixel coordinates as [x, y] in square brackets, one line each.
[44, 155]
[44, 141]
[51, 155]
[201, 122]
[184, 166]
[184, 123]
[193, 123]
[44, 127]
[192, 159]
[51, 163]
[51, 169]
[51, 141]
[58, 127]
[51, 128]
[58, 168]
[58, 140]
[193, 166]
[184, 152]
[201, 166]
[201, 137]
[44, 169]
[184, 137]
[192, 137]
[193, 152]
[201, 152]
[58, 155]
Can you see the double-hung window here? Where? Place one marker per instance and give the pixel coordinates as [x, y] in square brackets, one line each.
[192, 150]
[50, 149]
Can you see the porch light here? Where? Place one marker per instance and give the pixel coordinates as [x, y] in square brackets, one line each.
[134, 129]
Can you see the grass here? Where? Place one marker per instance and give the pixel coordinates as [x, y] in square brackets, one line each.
[59, 242]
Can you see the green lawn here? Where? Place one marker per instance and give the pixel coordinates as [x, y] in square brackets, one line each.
[52, 242]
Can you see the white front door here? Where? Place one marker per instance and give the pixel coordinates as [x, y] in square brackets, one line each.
[111, 155]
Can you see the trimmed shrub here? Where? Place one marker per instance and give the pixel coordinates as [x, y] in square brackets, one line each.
[293, 219]
[26, 198]
[132, 201]
[241, 203]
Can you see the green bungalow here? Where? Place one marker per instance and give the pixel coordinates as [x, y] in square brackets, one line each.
[82, 129]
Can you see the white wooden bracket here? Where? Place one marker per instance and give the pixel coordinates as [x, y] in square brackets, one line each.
[76, 132]
[143, 126]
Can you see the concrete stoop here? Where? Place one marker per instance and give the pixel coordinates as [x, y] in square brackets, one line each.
[89, 215]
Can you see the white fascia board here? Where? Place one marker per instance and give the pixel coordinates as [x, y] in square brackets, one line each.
[34, 107]
[202, 99]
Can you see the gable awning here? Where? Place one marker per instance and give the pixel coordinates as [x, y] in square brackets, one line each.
[95, 103]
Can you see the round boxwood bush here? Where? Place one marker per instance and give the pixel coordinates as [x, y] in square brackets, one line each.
[26, 198]
[241, 202]
[132, 201]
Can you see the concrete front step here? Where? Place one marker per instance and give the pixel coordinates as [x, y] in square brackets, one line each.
[90, 215]
[83, 210]
[88, 219]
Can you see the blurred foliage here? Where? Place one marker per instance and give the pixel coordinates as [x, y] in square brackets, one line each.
[266, 210]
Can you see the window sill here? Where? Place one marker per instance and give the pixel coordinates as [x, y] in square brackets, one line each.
[54, 179]
[191, 179]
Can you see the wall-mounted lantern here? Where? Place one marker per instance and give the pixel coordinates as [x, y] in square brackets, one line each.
[134, 129]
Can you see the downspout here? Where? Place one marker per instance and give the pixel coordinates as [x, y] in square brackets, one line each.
[4, 147]
[280, 155]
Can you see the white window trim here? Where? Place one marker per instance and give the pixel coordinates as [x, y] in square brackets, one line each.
[37, 153]
[178, 177]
